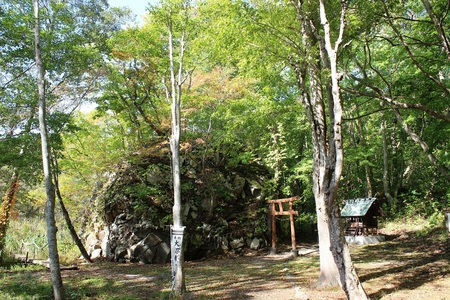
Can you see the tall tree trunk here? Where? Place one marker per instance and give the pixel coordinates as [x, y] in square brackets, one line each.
[358, 138]
[310, 86]
[5, 211]
[178, 278]
[277, 136]
[334, 161]
[335, 262]
[386, 173]
[368, 180]
[367, 168]
[58, 290]
[72, 230]
[386, 181]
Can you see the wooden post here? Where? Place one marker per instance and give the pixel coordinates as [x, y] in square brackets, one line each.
[273, 250]
[291, 219]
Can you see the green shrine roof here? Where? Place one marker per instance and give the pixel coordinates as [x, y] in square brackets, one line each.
[357, 207]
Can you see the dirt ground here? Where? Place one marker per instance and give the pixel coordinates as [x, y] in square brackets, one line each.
[406, 266]
[403, 267]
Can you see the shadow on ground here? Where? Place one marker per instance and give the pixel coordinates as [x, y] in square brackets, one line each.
[404, 262]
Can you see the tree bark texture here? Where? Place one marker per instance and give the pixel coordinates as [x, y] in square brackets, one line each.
[58, 290]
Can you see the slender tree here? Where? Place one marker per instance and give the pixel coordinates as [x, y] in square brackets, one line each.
[174, 15]
[58, 289]
[65, 213]
[179, 286]
[386, 179]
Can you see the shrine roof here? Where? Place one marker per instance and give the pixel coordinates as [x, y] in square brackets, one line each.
[357, 207]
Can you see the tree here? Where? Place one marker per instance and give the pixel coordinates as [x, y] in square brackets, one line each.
[174, 15]
[324, 111]
[312, 57]
[65, 213]
[75, 34]
[176, 81]
[349, 279]
[307, 52]
[58, 289]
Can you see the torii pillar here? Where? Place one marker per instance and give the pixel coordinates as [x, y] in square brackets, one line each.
[280, 212]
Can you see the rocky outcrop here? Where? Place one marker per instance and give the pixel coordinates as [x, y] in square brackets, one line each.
[223, 205]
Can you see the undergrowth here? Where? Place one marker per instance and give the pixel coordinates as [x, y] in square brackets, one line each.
[29, 236]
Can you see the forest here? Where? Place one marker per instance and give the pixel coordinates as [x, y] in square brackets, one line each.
[114, 130]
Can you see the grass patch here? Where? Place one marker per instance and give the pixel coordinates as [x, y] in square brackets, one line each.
[20, 282]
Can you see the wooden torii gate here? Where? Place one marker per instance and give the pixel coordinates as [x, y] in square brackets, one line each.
[279, 211]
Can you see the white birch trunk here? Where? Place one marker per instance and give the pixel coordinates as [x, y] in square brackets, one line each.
[178, 279]
[348, 277]
[386, 180]
[58, 290]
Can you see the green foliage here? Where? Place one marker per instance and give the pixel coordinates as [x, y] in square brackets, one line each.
[29, 235]
[240, 104]
[416, 204]
[261, 224]
[399, 58]
[133, 89]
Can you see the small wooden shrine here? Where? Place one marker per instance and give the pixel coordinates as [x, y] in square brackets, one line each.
[362, 216]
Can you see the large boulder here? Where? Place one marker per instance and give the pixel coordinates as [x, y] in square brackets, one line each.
[223, 204]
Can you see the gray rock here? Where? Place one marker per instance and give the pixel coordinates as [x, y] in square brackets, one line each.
[104, 242]
[222, 222]
[238, 185]
[120, 253]
[255, 244]
[162, 254]
[237, 243]
[154, 175]
[255, 188]
[91, 242]
[142, 253]
[206, 227]
[152, 240]
[224, 244]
